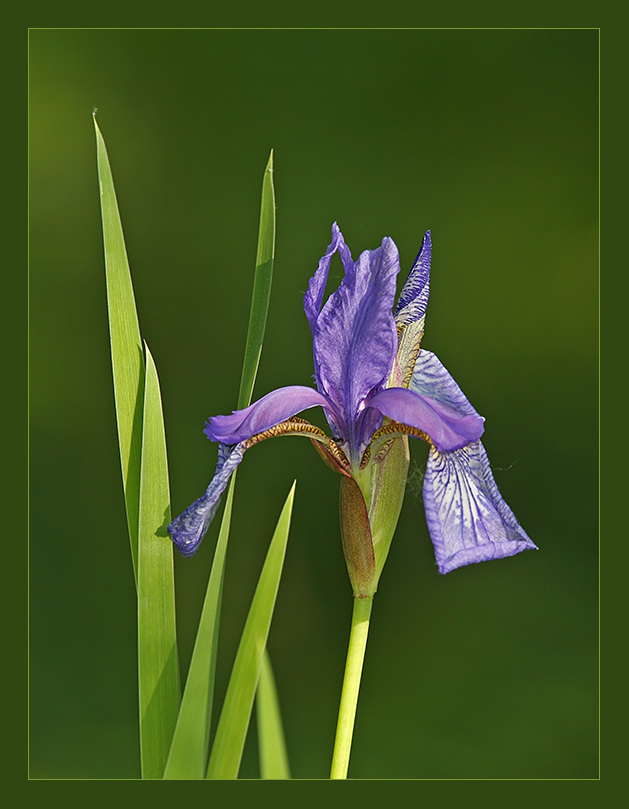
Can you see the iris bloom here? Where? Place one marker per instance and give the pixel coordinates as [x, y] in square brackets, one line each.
[376, 387]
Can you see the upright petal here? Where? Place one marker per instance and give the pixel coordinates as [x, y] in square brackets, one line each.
[188, 529]
[410, 312]
[268, 411]
[447, 427]
[355, 337]
[467, 518]
[313, 299]
[413, 300]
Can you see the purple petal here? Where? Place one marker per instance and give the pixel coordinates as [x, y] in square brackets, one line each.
[410, 312]
[188, 529]
[446, 427]
[432, 380]
[413, 299]
[355, 338]
[467, 518]
[313, 299]
[273, 408]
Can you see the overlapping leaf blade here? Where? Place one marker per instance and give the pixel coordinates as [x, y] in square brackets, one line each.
[188, 755]
[234, 721]
[189, 750]
[144, 465]
[158, 661]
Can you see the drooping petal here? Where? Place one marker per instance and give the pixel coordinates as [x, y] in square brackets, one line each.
[467, 517]
[313, 299]
[188, 529]
[432, 380]
[434, 404]
[268, 411]
[410, 312]
[355, 338]
[447, 427]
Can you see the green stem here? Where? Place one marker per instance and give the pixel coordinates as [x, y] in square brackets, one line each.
[351, 685]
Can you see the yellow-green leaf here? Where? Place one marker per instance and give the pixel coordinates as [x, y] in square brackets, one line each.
[126, 346]
[158, 662]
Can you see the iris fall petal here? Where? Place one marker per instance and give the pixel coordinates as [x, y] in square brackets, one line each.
[467, 517]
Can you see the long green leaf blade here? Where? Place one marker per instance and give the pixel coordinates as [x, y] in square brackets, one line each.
[191, 737]
[261, 287]
[158, 662]
[234, 721]
[126, 346]
[188, 754]
[273, 755]
[269, 720]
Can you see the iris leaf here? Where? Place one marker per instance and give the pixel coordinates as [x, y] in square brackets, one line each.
[188, 755]
[189, 751]
[234, 721]
[145, 479]
[126, 345]
[261, 288]
[158, 662]
[273, 756]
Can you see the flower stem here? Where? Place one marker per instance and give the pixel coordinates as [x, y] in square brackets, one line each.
[351, 685]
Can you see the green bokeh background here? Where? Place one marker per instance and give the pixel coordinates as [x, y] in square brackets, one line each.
[487, 137]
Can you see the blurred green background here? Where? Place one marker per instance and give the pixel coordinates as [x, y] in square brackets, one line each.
[487, 137]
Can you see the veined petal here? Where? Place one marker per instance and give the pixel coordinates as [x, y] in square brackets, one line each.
[448, 428]
[410, 312]
[432, 380]
[313, 299]
[268, 411]
[467, 518]
[413, 300]
[188, 529]
[355, 338]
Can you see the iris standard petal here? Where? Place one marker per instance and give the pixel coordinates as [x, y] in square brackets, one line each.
[268, 411]
[355, 338]
[410, 312]
[188, 529]
[467, 517]
[313, 299]
[413, 300]
[447, 428]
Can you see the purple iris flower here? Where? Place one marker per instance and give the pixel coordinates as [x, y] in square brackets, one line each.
[375, 384]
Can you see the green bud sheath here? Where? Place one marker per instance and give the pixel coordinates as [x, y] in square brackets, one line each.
[388, 487]
[357, 543]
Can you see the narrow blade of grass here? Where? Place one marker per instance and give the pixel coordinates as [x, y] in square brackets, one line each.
[234, 721]
[126, 346]
[188, 753]
[158, 662]
[273, 756]
[261, 287]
